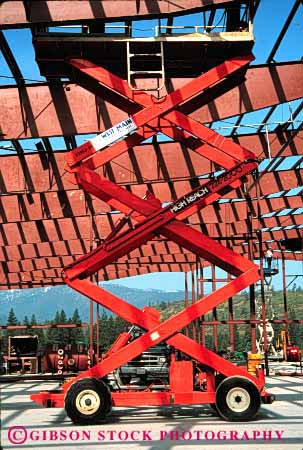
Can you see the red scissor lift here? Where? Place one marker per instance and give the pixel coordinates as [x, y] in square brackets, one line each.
[201, 376]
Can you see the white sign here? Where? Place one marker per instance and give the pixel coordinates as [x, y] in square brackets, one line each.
[113, 134]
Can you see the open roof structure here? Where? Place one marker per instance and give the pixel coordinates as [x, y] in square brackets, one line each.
[46, 223]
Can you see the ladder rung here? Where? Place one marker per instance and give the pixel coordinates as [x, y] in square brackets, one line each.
[145, 71]
[154, 57]
[131, 55]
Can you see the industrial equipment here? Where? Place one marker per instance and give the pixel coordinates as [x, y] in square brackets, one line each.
[22, 354]
[68, 358]
[265, 339]
[290, 351]
[196, 374]
[3, 364]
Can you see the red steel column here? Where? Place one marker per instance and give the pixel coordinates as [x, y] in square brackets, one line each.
[263, 303]
[252, 297]
[284, 294]
[215, 315]
[186, 298]
[202, 295]
[97, 324]
[193, 300]
[231, 330]
[198, 296]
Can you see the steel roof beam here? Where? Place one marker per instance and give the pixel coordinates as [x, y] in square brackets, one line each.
[54, 115]
[10, 60]
[275, 49]
[47, 277]
[270, 59]
[156, 251]
[284, 30]
[25, 208]
[52, 230]
[13, 13]
[167, 185]
[172, 151]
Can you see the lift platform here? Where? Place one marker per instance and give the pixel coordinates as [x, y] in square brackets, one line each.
[180, 47]
[196, 374]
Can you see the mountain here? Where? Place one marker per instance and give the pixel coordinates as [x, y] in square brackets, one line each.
[45, 302]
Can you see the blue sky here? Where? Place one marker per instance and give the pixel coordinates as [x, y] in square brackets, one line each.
[268, 22]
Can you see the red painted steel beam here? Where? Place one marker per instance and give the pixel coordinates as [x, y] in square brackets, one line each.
[28, 265]
[47, 115]
[153, 165]
[261, 144]
[24, 280]
[241, 228]
[25, 208]
[147, 162]
[38, 327]
[28, 256]
[54, 249]
[13, 13]
[77, 229]
[116, 271]
[42, 266]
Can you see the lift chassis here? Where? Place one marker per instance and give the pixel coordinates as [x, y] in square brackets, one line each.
[199, 376]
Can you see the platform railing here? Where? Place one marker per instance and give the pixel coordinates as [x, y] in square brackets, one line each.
[162, 30]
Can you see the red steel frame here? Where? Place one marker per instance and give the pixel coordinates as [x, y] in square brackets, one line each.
[151, 116]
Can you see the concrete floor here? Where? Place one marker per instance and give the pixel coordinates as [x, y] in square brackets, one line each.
[277, 426]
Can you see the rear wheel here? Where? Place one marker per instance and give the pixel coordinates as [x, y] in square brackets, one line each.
[88, 401]
[237, 399]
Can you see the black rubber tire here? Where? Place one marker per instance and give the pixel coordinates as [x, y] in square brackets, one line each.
[214, 408]
[241, 393]
[99, 392]
[218, 379]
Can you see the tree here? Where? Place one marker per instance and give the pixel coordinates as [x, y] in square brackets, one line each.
[63, 333]
[36, 331]
[295, 329]
[26, 321]
[52, 335]
[33, 321]
[76, 335]
[237, 338]
[109, 329]
[223, 340]
[12, 319]
[103, 336]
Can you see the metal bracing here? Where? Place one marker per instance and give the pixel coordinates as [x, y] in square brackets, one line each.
[10, 60]
[65, 117]
[270, 60]
[19, 13]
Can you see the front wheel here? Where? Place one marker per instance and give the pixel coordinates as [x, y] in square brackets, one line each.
[88, 401]
[237, 399]
[218, 379]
